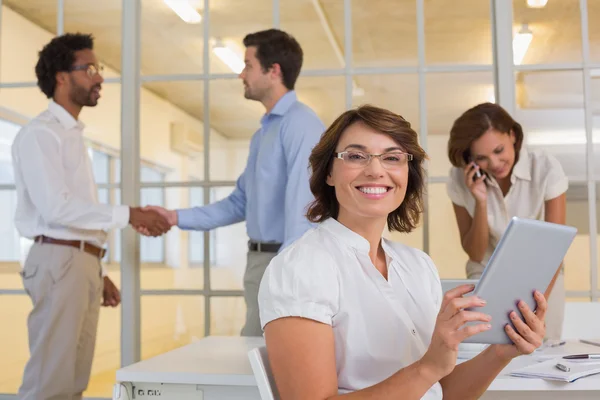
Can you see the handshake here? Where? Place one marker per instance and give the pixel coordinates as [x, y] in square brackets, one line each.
[152, 220]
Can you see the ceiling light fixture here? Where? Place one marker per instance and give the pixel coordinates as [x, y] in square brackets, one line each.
[491, 94]
[228, 56]
[357, 91]
[521, 43]
[537, 3]
[185, 11]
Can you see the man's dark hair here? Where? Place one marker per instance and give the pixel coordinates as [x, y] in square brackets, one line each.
[57, 56]
[277, 47]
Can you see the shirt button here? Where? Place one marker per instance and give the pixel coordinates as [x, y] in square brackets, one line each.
[414, 332]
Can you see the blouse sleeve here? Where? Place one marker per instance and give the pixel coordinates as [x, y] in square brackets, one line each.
[456, 188]
[557, 182]
[301, 282]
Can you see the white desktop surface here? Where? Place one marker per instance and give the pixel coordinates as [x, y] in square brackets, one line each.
[223, 361]
[504, 382]
[210, 361]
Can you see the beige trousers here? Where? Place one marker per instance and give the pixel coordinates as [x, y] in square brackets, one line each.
[65, 286]
[255, 268]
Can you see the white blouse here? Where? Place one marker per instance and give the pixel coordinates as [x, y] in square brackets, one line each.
[536, 178]
[380, 326]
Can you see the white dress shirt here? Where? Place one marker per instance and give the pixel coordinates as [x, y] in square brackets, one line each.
[380, 326]
[536, 178]
[56, 192]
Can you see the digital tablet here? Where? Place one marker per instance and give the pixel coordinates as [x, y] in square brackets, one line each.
[449, 284]
[527, 256]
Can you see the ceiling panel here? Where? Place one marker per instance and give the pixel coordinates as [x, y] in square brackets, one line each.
[384, 34]
[319, 30]
[556, 31]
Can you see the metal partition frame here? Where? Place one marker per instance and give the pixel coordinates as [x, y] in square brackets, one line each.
[501, 15]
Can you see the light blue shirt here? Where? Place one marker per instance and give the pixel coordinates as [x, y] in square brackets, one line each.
[273, 192]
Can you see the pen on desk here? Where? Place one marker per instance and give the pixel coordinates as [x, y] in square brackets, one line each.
[592, 342]
[562, 343]
[563, 367]
[583, 357]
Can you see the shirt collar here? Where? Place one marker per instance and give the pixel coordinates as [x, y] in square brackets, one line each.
[521, 169]
[283, 104]
[346, 235]
[63, 116]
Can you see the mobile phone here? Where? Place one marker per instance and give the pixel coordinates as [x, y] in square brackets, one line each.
[478, 174]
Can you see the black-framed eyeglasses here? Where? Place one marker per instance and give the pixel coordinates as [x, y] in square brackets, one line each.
[91, 69]
[360, 159]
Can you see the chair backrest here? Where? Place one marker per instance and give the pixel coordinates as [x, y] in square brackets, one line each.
[262, 373]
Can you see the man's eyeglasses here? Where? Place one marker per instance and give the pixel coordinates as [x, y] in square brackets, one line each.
[360, 159]
[91, 69]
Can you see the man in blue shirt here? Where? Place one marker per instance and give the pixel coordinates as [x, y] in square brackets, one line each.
[273, 193]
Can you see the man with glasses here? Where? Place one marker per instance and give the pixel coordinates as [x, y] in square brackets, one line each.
[272, 194]
[57, 207]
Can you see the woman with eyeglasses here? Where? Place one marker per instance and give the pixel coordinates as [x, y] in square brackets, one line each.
[494, 178]
[349, 314]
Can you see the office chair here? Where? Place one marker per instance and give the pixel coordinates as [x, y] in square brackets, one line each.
[262, 373]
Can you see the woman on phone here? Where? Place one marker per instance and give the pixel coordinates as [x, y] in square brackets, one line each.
[495, 178]
[349, 314]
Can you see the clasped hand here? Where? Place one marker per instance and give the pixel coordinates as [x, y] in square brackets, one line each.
[148, 222]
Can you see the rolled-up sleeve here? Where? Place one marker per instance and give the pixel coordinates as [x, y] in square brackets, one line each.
[299, 282]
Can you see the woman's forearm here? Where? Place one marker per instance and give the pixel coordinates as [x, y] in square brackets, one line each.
[470, 379]
[476, 240]
[551, 285]
[409, 383]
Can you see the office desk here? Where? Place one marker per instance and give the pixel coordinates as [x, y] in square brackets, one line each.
[513, 388]
[217, 368]
[214, 368]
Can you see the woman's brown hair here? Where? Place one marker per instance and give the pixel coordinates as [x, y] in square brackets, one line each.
[403, 219]
[473, 124]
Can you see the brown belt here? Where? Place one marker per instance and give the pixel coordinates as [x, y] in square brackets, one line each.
[79, 244]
